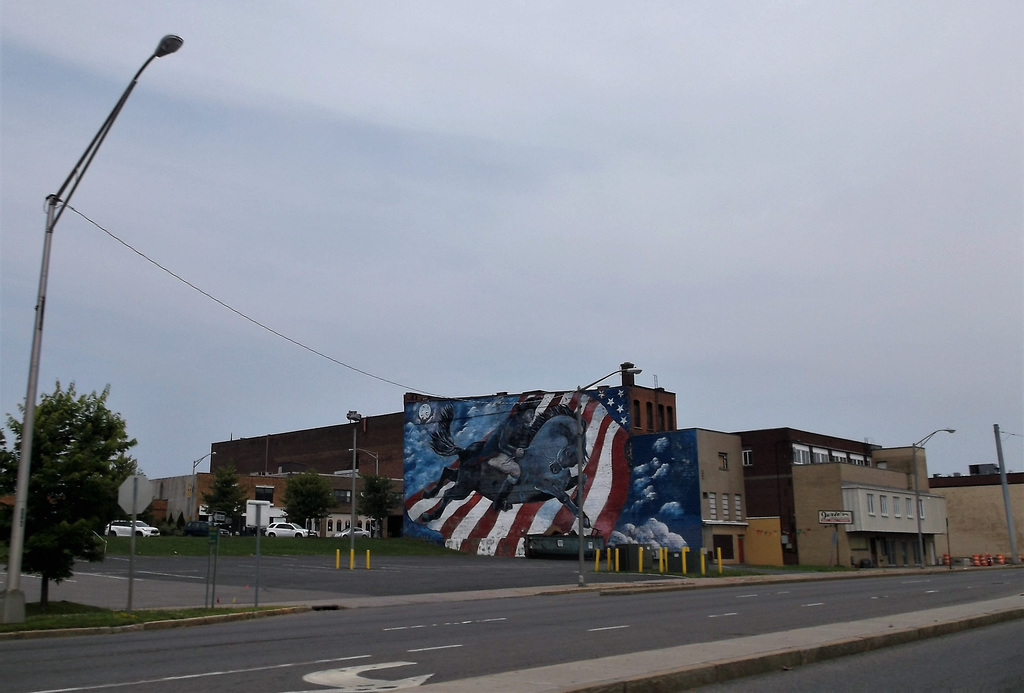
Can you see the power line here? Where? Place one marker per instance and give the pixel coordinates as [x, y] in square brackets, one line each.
[247, 317]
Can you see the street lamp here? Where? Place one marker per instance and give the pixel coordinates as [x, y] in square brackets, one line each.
[917, 492]
[374, 455]
[14, 598]
[355, 417]
[194, 504]
[581, 462]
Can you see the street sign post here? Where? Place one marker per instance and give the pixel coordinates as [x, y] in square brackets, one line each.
[134, 495]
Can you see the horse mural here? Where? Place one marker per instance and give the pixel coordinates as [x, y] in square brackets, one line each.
[529, 458]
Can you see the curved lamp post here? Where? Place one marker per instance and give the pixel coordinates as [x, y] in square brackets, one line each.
[581, 461]
[374, 455]
[355, 417]
[917, 492]
[14, 598]
[194, 501]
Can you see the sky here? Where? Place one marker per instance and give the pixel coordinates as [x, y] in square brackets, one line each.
[790, 214]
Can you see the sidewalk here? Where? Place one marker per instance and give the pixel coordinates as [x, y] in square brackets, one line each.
[713, 662]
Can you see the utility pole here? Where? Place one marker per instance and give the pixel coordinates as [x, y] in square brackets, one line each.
[1006, 497]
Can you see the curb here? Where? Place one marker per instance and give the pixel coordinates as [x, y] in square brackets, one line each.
[152, 625]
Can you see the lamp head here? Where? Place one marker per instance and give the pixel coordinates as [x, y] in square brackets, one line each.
[354, 416]
[949, 430]
[168, 44]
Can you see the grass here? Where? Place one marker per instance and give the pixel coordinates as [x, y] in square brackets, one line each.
[61, 615]
[272, 546]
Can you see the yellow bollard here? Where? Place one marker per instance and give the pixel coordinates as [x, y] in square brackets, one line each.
[367, 559]
[337, 559]
[616, 560]
[351, 559]
[719, 552]
[597, 561]
[641, 548]
[608, 559]
[663, 560]
[702, 561]
[686, 550]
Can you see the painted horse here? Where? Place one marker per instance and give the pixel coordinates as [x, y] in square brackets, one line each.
[546, 463]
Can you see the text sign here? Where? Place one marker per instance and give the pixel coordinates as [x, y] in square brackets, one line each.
[835, 517]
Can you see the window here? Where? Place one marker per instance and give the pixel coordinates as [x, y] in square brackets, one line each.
[637, 422]
[883, 505]
[737, 507]
[671, 419]
[723, 461]
[839, 457]
[264, 493]
[748, 458]
[910, 508]
[661, 417]
[342, 496]
[820, 456]
[920, 508]
[857, 459]
[801, 454]
[725, 506]
[712, 510]
[895, 506]
[871, 503]
[650, 416]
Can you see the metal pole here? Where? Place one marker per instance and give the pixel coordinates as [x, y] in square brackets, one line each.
[355, 417]
[582, 432]
[13, 603]
[1006, 498]
[131, 542]
[917, 501]
[259, 524]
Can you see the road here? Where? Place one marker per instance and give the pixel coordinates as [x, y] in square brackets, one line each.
[454, 640]
[981, 659]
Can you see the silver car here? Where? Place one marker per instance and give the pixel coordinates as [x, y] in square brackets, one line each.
[285, 529]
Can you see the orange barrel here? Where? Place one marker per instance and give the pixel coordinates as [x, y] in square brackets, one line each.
[945, 559]
[1000, 559]
[975, 559]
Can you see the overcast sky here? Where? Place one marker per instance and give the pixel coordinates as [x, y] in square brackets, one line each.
[796, 214]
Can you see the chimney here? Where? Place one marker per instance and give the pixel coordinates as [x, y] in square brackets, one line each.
[627, 375]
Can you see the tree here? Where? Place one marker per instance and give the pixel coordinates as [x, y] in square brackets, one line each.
[307, 496]
[225, 495]
[377, 499]
[79, 459]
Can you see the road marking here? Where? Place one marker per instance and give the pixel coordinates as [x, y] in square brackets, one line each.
[438, 647]
[745, 596]
[350, 679]
[814, 604]
[594, 630]
[731, 613]
[930, 591]
[449, 623]
[184, 677]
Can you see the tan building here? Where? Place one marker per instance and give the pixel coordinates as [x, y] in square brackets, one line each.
[977, 514]
[723, 514]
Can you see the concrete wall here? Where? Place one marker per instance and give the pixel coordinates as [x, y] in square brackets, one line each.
[763, 543]
[977, 516]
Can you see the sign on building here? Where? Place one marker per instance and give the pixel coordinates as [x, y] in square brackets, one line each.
[835, 517]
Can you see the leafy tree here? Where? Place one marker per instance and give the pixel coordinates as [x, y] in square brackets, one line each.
[378, 498]
[225, 495]
[79, 459]
[307, 496]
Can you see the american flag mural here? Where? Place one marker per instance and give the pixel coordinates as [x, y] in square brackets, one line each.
[482, 474]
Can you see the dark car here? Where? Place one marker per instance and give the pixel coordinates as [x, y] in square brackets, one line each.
[198, 528]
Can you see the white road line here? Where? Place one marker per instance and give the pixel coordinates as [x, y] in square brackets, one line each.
[594, 630]
[814, 604]
[227, 672]
[745, 596]
[731, 613]
[439, 647]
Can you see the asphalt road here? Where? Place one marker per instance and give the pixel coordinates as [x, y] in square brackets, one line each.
[980, 659]
[455, 640]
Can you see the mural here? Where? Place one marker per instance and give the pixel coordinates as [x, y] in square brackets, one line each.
[482, 474]
[663, 507]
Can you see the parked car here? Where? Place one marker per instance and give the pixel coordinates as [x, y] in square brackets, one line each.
[286, 529]
[360, 533]
[199, 528]
[123, 528]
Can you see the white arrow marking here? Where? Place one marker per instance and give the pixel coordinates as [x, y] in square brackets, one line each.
[349, 679]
